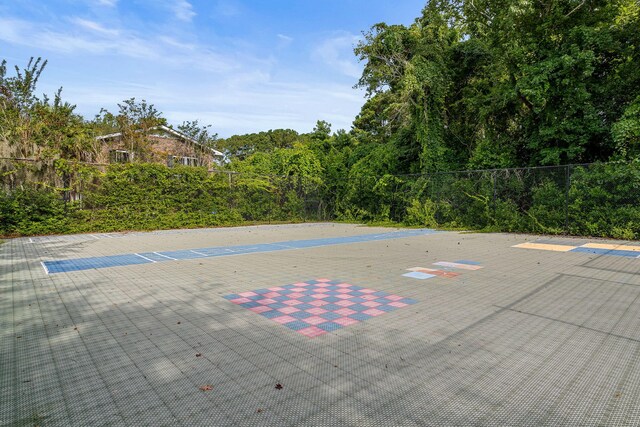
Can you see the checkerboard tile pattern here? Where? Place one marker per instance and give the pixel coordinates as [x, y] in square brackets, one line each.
[316, 307]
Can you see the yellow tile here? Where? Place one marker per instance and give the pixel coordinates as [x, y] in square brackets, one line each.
[612, 247]
[545, 247]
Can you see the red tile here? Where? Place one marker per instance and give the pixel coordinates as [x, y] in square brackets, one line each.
[319, 296]
[240, 300]
[284, 319]
[371, 304]
[288, 310]
[292, 302]
[345, 311]
[320, 303]
[295, 295]
[345, 303]
[367, 291]
[344, 285]
[248, 294]
[397, 304]
[374, 312]
[312, 331]
[314, 320]
[272, 294]
[345, 321]
[266, 301]
[260, 309]
[316, 310]
[344, 296]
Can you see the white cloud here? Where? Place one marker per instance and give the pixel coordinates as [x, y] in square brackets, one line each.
[183, 10]
[93, 26]
[107, 3]
[337, 53]
[227, 8]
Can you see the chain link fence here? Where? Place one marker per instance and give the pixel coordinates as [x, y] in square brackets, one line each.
[600, 199]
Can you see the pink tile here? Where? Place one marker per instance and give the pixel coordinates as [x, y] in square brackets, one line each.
[393, 297]
[266, 301]
[272, 294]
[320, 296]
[344, 285]
[369, 297]
[367, 291]
[298, 290]
[397, 304]
[314, 320]
[288, 310]
[284, 319]
[345, 311]
[321, 285]
[292, 302]
[260, 309]
[240, 300]
[295, 295]
[320, 290]
[312, 331]
[323, 280]
[371, 304]
[248, 294]
[301, 284]
[343, 290]
[320, 303]
[374, 312]
[345, 321]
[276, 288]
[316, 310]
[345, 303]
[343, 296]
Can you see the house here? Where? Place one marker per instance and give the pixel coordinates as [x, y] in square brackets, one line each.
[160, 145]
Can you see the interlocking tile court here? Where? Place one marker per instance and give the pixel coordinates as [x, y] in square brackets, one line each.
[534, 338]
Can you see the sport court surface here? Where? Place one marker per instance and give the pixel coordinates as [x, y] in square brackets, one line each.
[484, 334]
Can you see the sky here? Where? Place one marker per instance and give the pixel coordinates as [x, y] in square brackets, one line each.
[240, 66]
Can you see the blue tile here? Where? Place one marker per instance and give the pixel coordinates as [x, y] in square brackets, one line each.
[332, 307]
[304, 306]
[357, 299]
[380, 294]
[307, 299]
[249, 304]
[360, 316]
[356, 293]
[386, 308]
[408, 300]
[281, 299]
[271, 314]
[262, 291]
[300, 314]
[231, 296]
[465, 261]
[332, 299]
[359, 307]
[330, 316]
[329, 326]
[297, 325]
[277, 305]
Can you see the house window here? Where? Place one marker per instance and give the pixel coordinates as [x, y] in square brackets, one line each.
[189, 161]
[119, 156]
[185, 161]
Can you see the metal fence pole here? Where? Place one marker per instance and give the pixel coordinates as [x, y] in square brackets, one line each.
[567, 185]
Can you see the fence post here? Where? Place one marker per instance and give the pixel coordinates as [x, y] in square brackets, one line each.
[567, 185]
[493, 201]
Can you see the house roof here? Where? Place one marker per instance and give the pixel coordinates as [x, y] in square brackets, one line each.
[167, 130]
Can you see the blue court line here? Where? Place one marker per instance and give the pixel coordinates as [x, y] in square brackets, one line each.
[77, 264]
[615, 252]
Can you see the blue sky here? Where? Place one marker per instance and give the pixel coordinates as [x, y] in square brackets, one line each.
[240, 65]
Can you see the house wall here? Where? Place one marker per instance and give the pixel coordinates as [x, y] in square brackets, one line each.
[159, 150]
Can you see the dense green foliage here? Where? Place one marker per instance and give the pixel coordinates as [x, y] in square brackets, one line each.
[493, 86]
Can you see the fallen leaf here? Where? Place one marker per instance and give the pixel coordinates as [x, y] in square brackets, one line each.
[259, 410]
[206, 387]
[198, 354]
[279, 386]
[178, 323]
